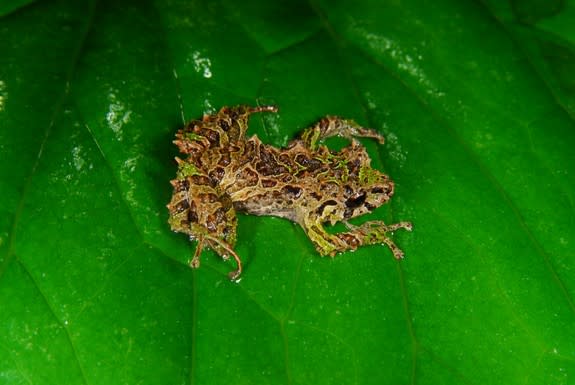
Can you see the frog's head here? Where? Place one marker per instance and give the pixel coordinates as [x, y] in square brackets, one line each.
[378, 193]
[374, 189]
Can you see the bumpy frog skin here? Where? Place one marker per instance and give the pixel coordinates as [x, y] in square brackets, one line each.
[224, 172]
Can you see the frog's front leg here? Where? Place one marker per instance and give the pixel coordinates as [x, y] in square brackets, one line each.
[334, 126]
[369, 233]
[205, 215]
[324, 242]
[375, 232]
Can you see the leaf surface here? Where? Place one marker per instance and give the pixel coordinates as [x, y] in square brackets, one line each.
[475, 100]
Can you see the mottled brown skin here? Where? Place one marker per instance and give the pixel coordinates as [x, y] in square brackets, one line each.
[224, 172]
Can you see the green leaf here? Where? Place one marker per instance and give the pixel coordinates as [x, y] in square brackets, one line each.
[476, 101]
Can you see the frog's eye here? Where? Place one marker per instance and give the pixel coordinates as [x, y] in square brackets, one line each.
[383, 189]
[357, 201]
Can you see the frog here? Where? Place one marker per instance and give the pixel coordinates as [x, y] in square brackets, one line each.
[222, 172]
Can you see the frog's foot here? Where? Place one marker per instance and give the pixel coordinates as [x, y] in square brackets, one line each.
[374, 232]
[225, 250]
[195, 262]
[334, 126]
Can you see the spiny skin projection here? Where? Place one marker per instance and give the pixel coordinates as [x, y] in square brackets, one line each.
[223, 172]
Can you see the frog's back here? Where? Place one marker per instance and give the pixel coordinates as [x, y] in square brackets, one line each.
[298, 184]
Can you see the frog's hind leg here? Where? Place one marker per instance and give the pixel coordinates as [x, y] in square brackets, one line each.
[207, 216]
[195, 262]
[234, 120]
[225, 250]
[335, 126]
[222, 248]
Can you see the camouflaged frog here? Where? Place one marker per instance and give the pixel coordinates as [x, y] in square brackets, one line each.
[225, 172]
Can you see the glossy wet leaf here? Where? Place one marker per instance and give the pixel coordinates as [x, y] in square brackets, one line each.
[475, 100]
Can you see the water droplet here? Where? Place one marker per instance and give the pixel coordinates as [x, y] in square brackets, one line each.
[3, 95]
[117, 114]
[201, 64]
[77, 158]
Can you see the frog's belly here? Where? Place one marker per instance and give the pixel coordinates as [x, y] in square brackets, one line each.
[266, 204]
